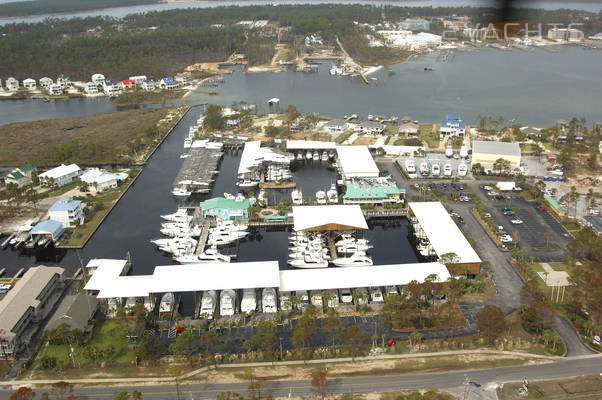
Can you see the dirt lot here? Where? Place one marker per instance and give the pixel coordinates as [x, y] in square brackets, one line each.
[583, 387]
[365, 141]
[97, 139]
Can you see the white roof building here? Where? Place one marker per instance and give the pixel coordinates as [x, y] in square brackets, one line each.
[331, 217]
[60, 175]
[309, 145]
[356, 162]
[254, 155]
[29, 83]
[360, 277]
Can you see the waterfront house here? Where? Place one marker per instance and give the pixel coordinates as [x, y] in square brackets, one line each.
[531, 133]
[128, 84]
[76, 311]
[223, 208]
[371, 128]
[139, 79]
[63, 80]
[98, 79]
[12, 84]
[20, 176]
[452, 126]
[182, 79]
[29, 83]
[55, 89]
[232, 123]
[45, 82]
[26, 305]
[91, 88]
[111, 88]
[336, 125]
[148, 85]
[99, 180]
[168, 83]
[68, 212]
[408, 129]
[314, 40]
[49, 229]
[60, 175]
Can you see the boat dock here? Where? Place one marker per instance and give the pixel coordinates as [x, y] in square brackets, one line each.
[396, 212]
[332, 247]
[198, 169]
[19, 273]
[202, 240]
[2, 271]
[7, 241]
[281, 185]
[271, 222]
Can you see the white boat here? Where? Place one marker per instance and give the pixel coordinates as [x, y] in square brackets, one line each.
[436, 169]
[285, 301]
[331, 153]
[225, 238]
[424, 168]
[231, 225]
[308, 262]
[449, 151]
[185, 155]
[229, 196]
[333, 194]
[324, 156]
[353, 248]
[462, 169]
[447, 169]
[299, 156]
[321, 197]
[240, 197]
[316, 156]
[297, 196]
[166, 304]
[181, 192]
[249, 301]
[355, 260]
[247, 183]
[410, 166]
[210, 255]
[463, 151]
[268, 300]
[350, 240]
[308, 155]
[227, 302]
[208, 304]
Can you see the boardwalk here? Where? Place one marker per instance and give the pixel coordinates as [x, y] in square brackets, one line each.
[397, 212]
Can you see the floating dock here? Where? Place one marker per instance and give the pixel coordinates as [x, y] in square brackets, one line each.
[274, 185]
[202, 240]
[198, 169]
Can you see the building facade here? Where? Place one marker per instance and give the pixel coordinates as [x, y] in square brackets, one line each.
[68, 212]
[223, 208]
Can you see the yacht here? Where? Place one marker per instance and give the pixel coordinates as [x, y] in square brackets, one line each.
[447, 169]
[246, 183]
[232, 226]
[208, 304]
[316, 156]
[268, 300]
[309, 262]
[436, 169]
[410, 165]
[321, 197]
[308, 155]
[449, 151]
[240, 197]
[353, 248]
[297, 196]
[249, 301]
[181, 191]
[324, 156]
[227, 302]
[355, 260]
[285, 301]
[462, 169]
[223, 239]
[463, 151]
[229, 196]
[333, 194]
[167, 303]
[424, 168]
[210, 255]
[185, 155]
[299, 156]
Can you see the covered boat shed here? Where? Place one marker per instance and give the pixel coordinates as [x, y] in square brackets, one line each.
[329, 218]
[356, 162]
[49, 228]
[359, 277]
[292, 145]
[445, 237]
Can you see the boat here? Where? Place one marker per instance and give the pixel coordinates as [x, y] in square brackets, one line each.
[167, 303]
[308, 262]
[185, 155]
[353, 248]
[321, 197]
[333, 194]
[436, 169]
[316, 156]
[208, 304]
[225, 238]
[299, 156]
[268, 300]
[449, 151]
[447, 169]
[229, 196]
[247, 183]
[324, 156]
[249, 301]
[331, 153]
[410, 165]
[428, 69]
[424, 168]
[355, 260]
[227, 302]
[297, 197]
[463, 151]
[181, 192]
[210, 255]
[462, 169]
[308, 155]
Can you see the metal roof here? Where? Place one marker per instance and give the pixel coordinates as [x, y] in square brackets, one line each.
[357, 191]
[356, 161]
[49, 227]
[60, 171]
[75, 311]
[331, 217]
[221, 202]
[65, 204]
[498, 148]
[309, 144]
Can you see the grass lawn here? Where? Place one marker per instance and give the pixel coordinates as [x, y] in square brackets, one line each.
[559, 266]
[343, 136]
[583, 387]
[429, 133]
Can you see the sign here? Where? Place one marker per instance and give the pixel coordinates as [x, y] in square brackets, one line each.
[597, 340]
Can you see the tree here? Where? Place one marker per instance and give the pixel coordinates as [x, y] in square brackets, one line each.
[214, 119]
[256, 384]
[354, 340]
[122, 396]
[264, 339]
[229, 396]
[151, 348]
[415, 338]
[536, 316]
[185, 346]
[333, 325]
[136, 395]
[23, 393]
[209, 341]
[303, 332]
[491, 322]
[319, 382]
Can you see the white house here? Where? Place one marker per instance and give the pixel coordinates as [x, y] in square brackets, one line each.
[55, 89]
[336, 125]
[139, 79]
[63, 80]
[68, 212]
[168, 83]
[60, 175]
[99, 180]
[148, 85]
[29, 83]
[111, 89]
[12, 84]
[98, 79]
[45, 82]
[91, 88]
[453, 126]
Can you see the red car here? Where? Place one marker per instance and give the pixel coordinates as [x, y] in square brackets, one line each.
[179, 330]
[541, 208]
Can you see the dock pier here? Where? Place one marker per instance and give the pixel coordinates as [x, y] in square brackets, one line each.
[7, 241]
[202, 240]
[198, 170]
[332, 247]
[396, 212]
[271, 222]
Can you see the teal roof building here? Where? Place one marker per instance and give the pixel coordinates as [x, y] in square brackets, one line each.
[358, 193]
[223, 208]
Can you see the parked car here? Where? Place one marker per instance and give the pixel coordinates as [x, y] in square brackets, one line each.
[517, 221]
[541, 208]
[505, 238]
[507, 213]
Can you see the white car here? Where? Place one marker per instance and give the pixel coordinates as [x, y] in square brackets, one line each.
[488, 215]
[491, 194]
[500, 228]
[594, 211]
[517, 221]
[506, 239]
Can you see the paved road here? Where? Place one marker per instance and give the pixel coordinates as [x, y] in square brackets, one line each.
[572, 341]
[486, 378]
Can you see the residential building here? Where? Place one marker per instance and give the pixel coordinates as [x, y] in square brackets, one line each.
[314, 40]
[336, 125]
[111, 88]
[29, 83]
[49, 229]
[414, 25]
[55, 89]
[128, 84]
[139, 79]
[63, 80]
[564, 34]
[452, 126]
[531, 133]
[26, 305]
[372, 191]
[223, 208]
[60, 175]
[168, 83]
[148, 85]
[20, 176]
[408, 129]
[68, 212]
[487, 153]
[12, 84]
[371, 127]
[99, 180]
[232, 122]
[91, 88]
[76, 311]
[98, 79]
[182, 79]
[45, 82]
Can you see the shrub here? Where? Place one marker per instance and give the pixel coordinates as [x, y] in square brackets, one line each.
[48, 362]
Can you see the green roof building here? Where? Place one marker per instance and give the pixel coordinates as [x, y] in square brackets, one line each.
[359, 193]
[223, 208]
[20, 176]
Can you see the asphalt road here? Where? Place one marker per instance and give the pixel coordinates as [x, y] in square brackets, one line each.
[488, 379]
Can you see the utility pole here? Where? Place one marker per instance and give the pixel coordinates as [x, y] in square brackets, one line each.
[280, 348]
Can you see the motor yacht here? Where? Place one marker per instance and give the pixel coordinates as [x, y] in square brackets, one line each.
[321, 197]
[308, 262]
[229, 196]
[308, 155]
[355, 260]
[462, 169]
[211, 255]
[449, 151]
[333, 194]
[424, 168]
[410, 166]
[463, 151]
[435, 169]
[208, 304]
[324, 156]
[268, 300]
[299, 156]
[248, 303]
[227, 302]
[316, 156]
[247, 183]
[167, 303]
[181, 191]
[297, 196]
[447, 169]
